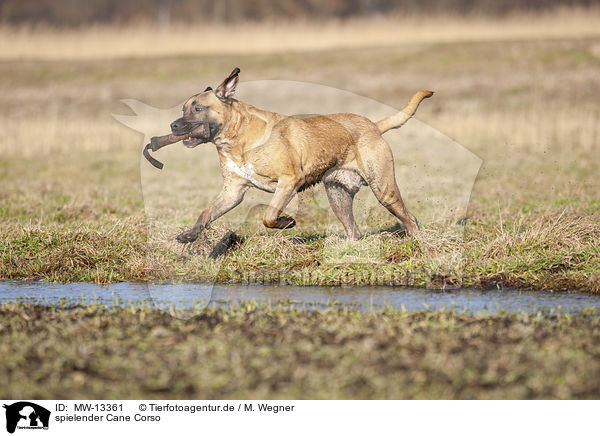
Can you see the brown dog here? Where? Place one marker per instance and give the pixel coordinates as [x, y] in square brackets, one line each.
[285, 155]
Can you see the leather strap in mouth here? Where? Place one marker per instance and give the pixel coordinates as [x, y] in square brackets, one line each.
[158, 142]
[155, 162]
[208, 127]
[211, 129]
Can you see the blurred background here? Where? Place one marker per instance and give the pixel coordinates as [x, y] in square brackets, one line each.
[77, 13]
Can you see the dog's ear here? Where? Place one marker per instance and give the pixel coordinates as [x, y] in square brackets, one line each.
[226, 89]
[207, 89]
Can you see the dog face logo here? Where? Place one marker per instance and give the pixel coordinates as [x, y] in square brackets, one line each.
[26, 415]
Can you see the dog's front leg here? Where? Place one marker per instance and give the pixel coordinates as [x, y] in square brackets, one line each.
[284, 193]
[231, 195]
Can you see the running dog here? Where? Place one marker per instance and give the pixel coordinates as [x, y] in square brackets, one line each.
[284, 155]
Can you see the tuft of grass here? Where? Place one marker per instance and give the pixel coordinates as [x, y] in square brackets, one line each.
[74, 253]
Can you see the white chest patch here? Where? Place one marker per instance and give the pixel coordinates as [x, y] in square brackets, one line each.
[246, 172]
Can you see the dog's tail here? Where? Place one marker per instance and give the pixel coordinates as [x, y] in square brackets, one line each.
[404, 115]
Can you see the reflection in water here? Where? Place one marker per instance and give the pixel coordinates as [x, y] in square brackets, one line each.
[185, 295]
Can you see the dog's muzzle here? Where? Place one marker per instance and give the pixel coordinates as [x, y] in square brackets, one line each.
[200, 132]
[191, 134]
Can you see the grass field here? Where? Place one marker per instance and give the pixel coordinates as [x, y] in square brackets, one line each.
[521, 97]
[281, 352]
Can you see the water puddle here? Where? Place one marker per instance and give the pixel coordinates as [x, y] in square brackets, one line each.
[188, 295]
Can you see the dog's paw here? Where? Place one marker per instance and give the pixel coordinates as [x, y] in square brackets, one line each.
[187, 237]
[285, 222]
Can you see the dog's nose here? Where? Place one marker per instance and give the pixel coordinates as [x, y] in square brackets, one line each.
[176, 125]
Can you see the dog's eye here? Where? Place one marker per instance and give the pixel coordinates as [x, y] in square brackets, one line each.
[198, 108]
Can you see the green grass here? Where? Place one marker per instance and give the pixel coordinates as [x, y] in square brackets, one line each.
[278, 352]
[91, 227]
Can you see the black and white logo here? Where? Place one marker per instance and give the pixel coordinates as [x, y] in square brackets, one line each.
[26, 415]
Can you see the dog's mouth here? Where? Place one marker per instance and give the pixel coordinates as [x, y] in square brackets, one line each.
[195, 133]
[193, 141]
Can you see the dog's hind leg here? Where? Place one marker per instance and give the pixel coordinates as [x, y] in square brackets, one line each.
[341, 186]
[377, 167]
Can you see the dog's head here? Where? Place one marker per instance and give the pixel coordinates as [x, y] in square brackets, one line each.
[204, 113]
